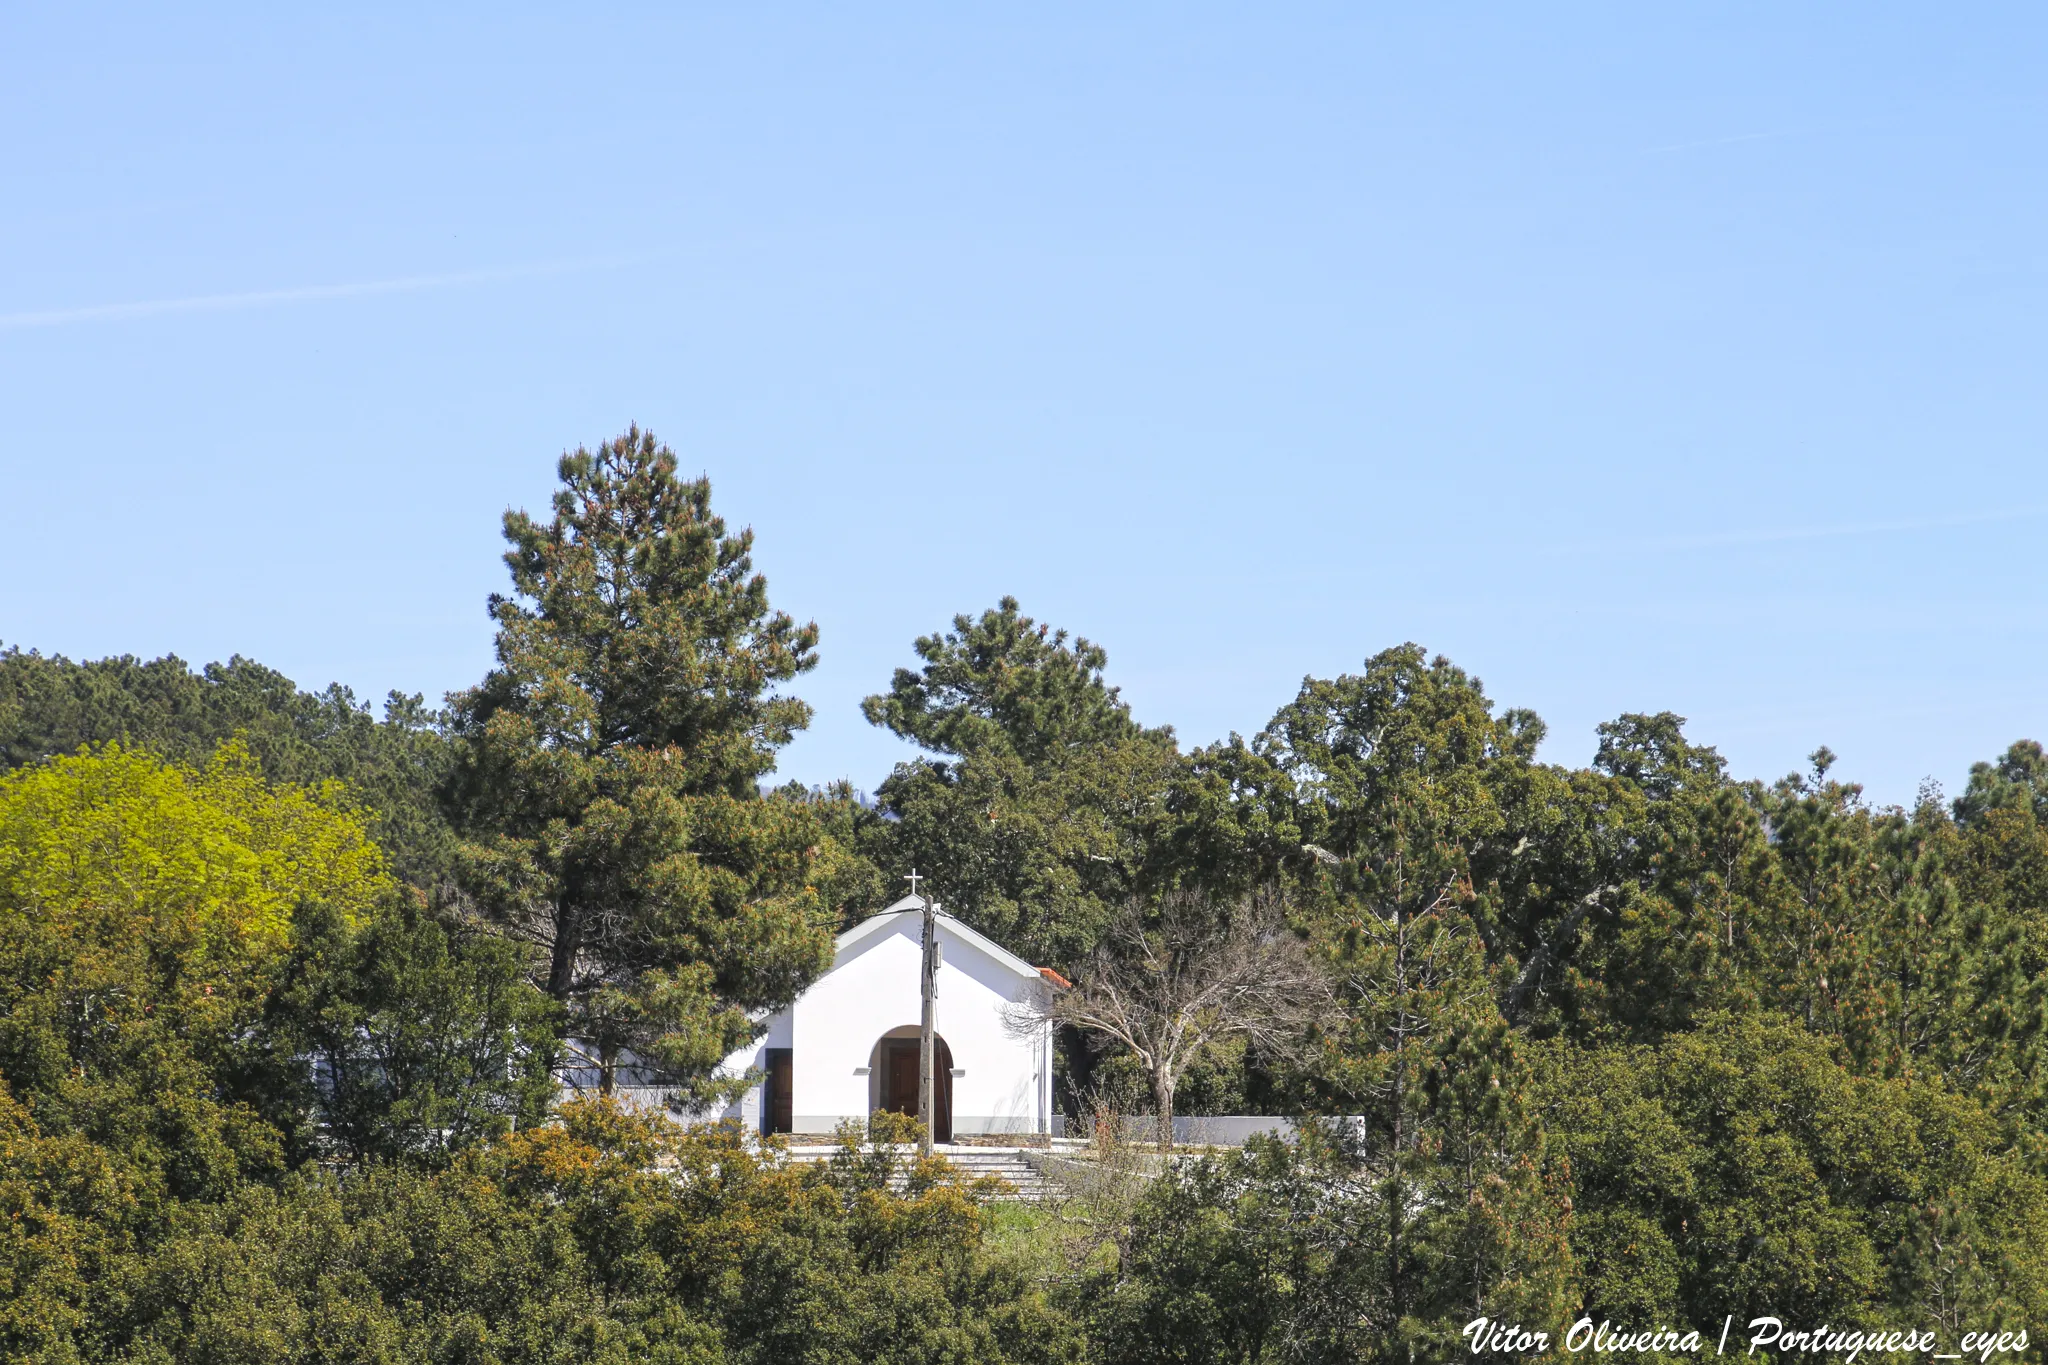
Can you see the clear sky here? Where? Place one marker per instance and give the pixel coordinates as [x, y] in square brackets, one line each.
[1636, 357]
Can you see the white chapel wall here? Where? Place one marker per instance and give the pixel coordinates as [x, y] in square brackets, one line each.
[841, 1017]
[1004, 1085]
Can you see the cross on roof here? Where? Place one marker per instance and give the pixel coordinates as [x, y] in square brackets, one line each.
[914, 879]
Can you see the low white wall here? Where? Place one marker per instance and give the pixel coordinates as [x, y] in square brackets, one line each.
[1204, 1130]
[1213, 1130]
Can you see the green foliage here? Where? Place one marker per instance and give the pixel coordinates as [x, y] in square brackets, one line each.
[144, 913]
[1740, 1169]
[1652, 754]
[2018, 779]
[177, 949]
[1462, 890]
[847, 881]
[423, 1040]
[203, 866]
[1004, 684]
[1396, 776]
[636, 621]
[1282, 1252]
[51, 706]
[606, 770]
[1389, 768]
[1034, 819]
[606, 1238]
[1403, 785]
[1227, 822]
[1041, 809]
[67, 1207]
[1888, 955]
[160, 1016]
[2000, 878]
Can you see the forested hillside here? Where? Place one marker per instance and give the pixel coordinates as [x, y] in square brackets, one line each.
[283, 986]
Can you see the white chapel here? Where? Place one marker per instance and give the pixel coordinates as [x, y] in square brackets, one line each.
[849, 1045]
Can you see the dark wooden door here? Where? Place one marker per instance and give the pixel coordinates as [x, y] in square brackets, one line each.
[899, 1082]
[780, 1098]
[899, 1091]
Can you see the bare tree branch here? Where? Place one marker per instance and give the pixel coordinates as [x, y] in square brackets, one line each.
[1558, 940]
[1183, 972]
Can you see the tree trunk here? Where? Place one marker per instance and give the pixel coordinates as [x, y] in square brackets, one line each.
[1162, 1099]
[1397, 1195]
[562, 960]
[1074, 1082]
[1905, 1053]
[1559, 940]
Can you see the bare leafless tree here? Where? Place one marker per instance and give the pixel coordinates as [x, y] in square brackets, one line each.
[1177, 973]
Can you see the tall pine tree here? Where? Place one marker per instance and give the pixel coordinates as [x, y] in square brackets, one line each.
[607, 774]
[1394, 776]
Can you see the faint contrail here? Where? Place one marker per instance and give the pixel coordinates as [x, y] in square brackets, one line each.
[263, 298]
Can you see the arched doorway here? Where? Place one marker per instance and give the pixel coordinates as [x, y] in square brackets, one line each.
[895, 1068]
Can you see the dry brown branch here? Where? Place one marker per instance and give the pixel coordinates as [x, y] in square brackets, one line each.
[1174, 975]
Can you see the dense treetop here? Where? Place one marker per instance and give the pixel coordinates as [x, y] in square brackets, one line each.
[50, 705]
[636, 621]
[1004, 684]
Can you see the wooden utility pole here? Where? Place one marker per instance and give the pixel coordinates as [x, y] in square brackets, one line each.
[928, 989]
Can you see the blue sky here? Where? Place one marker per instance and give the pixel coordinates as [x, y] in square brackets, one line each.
[1637, 358]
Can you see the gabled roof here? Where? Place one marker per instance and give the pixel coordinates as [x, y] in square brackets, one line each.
[887, 920]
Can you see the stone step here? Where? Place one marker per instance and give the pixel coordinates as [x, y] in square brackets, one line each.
[1027, 1184]
[1022, 1176]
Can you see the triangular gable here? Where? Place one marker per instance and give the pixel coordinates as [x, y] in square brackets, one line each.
[855, 940]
